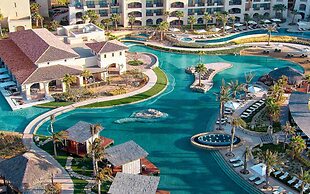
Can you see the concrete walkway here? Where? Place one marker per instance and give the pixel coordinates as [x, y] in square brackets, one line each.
[32, 127]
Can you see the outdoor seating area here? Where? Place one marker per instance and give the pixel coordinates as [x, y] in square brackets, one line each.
[250, 111]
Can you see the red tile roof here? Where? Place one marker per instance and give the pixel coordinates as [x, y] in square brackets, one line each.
[107, 46]
[18, 63]
[40, 45]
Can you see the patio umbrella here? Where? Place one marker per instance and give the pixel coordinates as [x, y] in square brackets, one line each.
[201, 31]
[267, 21]
[228, 27]
[215, 29]
[238, 24]
[259, 169]
[232, 105]
[254, 89]
[252, 22]
[276, 20]
[174, 29]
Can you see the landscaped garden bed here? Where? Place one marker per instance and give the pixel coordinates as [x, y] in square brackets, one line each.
[11, 145]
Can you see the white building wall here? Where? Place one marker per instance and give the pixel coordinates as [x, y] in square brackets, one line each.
[66, 62]
[300, 5]
[133, 167]
[118, 58]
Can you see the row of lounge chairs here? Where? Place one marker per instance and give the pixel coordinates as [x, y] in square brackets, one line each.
[206, 75]
[236, 162]
[294, 182]
[249, 111]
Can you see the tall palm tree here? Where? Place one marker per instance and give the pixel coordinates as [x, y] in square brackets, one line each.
[131, 20]
[297, 146]
[200, 69]
[270, 29]
[234, 122]
[233, 20]
[207, 17]
[287, 130]
[86, 74]
[273, 110]
[248, 79]
[179, 15]
[270, 159]
[104, 174]
[304, 176]
[277, 91]
[294, 13]
[68, 80]
[98, 150]
[192, 20]
[106, 23]
[247, 18]
[115, 18]
[41, 18]
[85, 18]
[224, 19]
[37, 18]
[93, 16]
[163, 27]
[279, 8]
[247, 155]
[34, 7]
[1, 18]
[94, 129]
[167, 15]
[54, 25]
[235, 87]
[223, 97]
[58, 138]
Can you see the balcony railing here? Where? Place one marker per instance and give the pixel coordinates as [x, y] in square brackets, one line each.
[235, 2]
[91, 6]
[177, 6]
[135, 6]
[196, 5]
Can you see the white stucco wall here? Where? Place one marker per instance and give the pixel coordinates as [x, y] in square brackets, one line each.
[133, 167]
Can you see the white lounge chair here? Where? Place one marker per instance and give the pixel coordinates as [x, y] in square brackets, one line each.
[234, 159]
[306, 187]
[278, 172]
[278, 191]
[284, 176]
[238, 164]
[260, 181]
[297, 185]
[252, 178]
[292, 180]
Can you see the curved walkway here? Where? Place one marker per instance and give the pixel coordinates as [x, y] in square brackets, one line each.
[31, 128]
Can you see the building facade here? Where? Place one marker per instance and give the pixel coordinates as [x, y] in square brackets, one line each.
[303, 7]
[151, 12]
[16, 14]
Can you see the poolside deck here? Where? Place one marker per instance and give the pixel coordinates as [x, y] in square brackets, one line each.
[106, 142]
[147, 168]
[207, 83]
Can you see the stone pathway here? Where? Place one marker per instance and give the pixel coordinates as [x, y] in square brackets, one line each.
[91, 181]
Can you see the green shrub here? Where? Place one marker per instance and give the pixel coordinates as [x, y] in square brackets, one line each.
[135, 62]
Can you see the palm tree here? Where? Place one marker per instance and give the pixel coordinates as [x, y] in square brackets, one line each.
[34, 7]
[93, 16]
[297, 146]
[247, 18]
[192, 20]
[304, 176]
[163, 27]
[106, 23]
[277, 91]
[54, 25]
[37, 18]
[294, 13]
[86, 74]
[270, 159]
[131, 20]
[235, 87]
[41, 18]
[167, 15]
[247, 155]
[52, 188]
[179, 15]
[207, 17]
[308, 82]
[273, 110]
[94, 129]
[270, 29]
[222, 97]
[287, 130]
[224, 19]
[115, 18]
[233, 20]
[1, 18]
[248, 79]
[62, 2]
[68, 80]
[98, 150]
[200, 69]
[85, 18]
[279, 8]
[58, 138]
[104, 174]
[234, 122]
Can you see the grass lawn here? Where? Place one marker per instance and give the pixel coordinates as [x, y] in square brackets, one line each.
[82, 166]
[79, 185]
[157, 88]
[54, 104]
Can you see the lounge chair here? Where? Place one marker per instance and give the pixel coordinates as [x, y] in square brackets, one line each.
[244, 116]
[260, 181]
[292, 180]
[306, 187]
[234, 159]
[284, 176]
[238, 164]
[254, 177]
[278, 191]
[298, 184]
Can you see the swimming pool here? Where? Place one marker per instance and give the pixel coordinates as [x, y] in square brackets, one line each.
[280, 32]
[184, 168]
[185, 39]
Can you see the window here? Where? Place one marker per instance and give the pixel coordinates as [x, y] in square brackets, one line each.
[65, 60]
[48, 63]
[105, 56]
[16, 14]
[112, 54]
[14, 4]
[120, 53]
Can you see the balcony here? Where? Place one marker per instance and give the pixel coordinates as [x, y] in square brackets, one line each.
[91, 6]
[235, 2]
[134, 6]
[201, 4]
[154, 5]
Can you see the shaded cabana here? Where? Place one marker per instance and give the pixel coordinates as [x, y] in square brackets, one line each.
[294, 76]
[126, 157]
[79, 138]
[131, 183]
[27, 172]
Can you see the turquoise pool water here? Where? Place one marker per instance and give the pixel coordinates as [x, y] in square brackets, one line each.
[280, 32]
[184, 168]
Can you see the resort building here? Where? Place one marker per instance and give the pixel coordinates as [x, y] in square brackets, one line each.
[152, 12]
[131, 183]
[303, 7]
[27, 173]
[34, 62]
[300, 114]
[16, 15]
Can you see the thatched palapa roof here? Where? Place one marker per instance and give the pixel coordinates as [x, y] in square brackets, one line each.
[294, 76]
